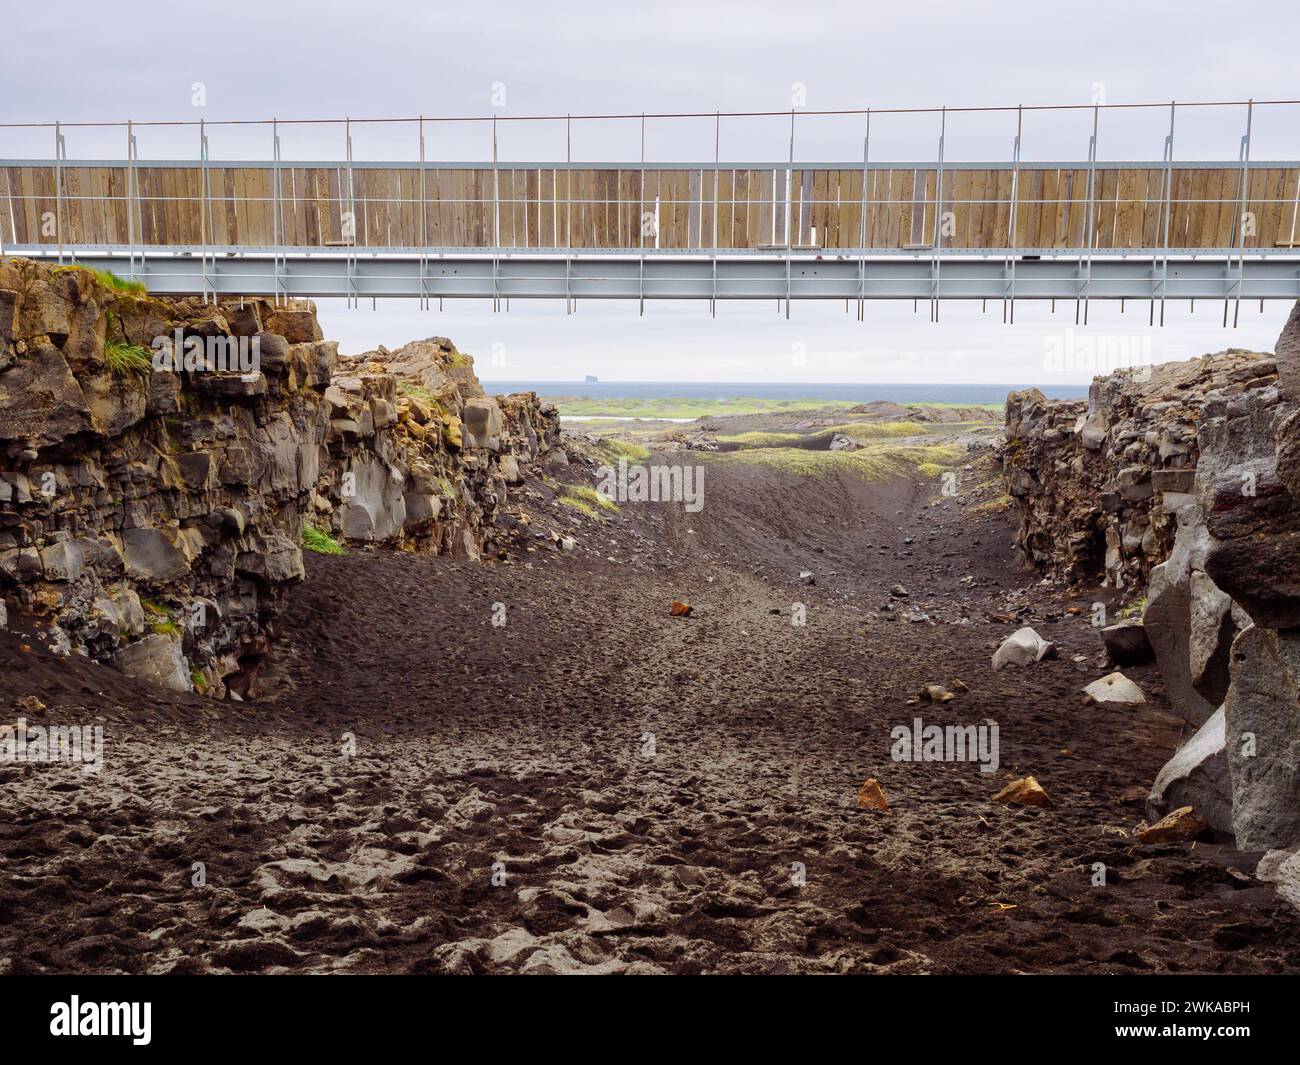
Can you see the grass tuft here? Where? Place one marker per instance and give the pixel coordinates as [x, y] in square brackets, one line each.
[127, 360]
[111, 281]
[587, 500]
[314, 539]
[624, 449]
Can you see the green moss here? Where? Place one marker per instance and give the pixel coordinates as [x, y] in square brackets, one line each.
[321, 542]
[153, 606]
[111, 281]
[624, 449]
[1135, 608]
[587, 500]
[588, 496]
[859, 432]
[878, 462]
[994, 506]
[681, 406]
[165, 628]
[199, 681]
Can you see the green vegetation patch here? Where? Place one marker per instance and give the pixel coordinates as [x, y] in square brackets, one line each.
[110, 280]
[682, 406]
[624, 449]
[995, 505]
[314, 539]
[1135, 609]
[587, 500]
[878, 462]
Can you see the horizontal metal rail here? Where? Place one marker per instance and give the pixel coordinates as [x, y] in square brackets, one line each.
[641, 116]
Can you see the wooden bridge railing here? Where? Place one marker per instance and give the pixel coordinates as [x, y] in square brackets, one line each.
[898, 207]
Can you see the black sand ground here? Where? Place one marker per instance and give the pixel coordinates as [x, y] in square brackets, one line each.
[599, 787]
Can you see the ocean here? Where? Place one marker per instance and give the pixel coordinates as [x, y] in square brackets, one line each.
[916, 393]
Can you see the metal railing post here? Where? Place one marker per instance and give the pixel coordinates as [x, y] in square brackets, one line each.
[1092, 214]
[862, 224]
[568, 214]
[640, 221]
[58, 190]
[132, 197]
[1010, 298]
[717, 155]
[938, 225]
[789, 218]
[1241, 217]
[276, 217]
[203, 209]
[1168, 210]
[496, 222]
[350, 245]
[424, 227]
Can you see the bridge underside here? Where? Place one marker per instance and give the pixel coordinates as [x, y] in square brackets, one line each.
[384, 274]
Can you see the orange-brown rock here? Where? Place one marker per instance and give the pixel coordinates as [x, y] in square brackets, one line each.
[871, 796]
[1180, 826]
[1024, 792]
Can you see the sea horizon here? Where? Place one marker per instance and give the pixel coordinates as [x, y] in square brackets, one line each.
[721, 391]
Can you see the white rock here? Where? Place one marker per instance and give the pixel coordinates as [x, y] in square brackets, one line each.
[1287, 880]
[1115, 688]
[1197, 775]
[1023, 647]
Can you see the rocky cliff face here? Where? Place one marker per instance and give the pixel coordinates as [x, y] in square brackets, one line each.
[1186, 479]
[1098, 482]
[153, 518]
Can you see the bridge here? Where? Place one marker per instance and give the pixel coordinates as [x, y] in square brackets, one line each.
[867, 229]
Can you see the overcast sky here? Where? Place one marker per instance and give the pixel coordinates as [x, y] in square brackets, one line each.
[319, 60]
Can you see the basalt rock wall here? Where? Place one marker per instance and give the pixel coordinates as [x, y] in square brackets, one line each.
[1098, 482]
[1183, 481]
[152, 518]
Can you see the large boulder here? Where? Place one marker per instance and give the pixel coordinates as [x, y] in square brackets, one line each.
[1197, 776]
[1288, 357]
[1184, 620]
[1263, 738]
[481, 421]
[156, 659]
[1245, 483]
[1127, 644]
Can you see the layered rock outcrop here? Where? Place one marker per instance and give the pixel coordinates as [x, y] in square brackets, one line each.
[1098, 482]
[151, 516]
[420, 456]
[1186, 478]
